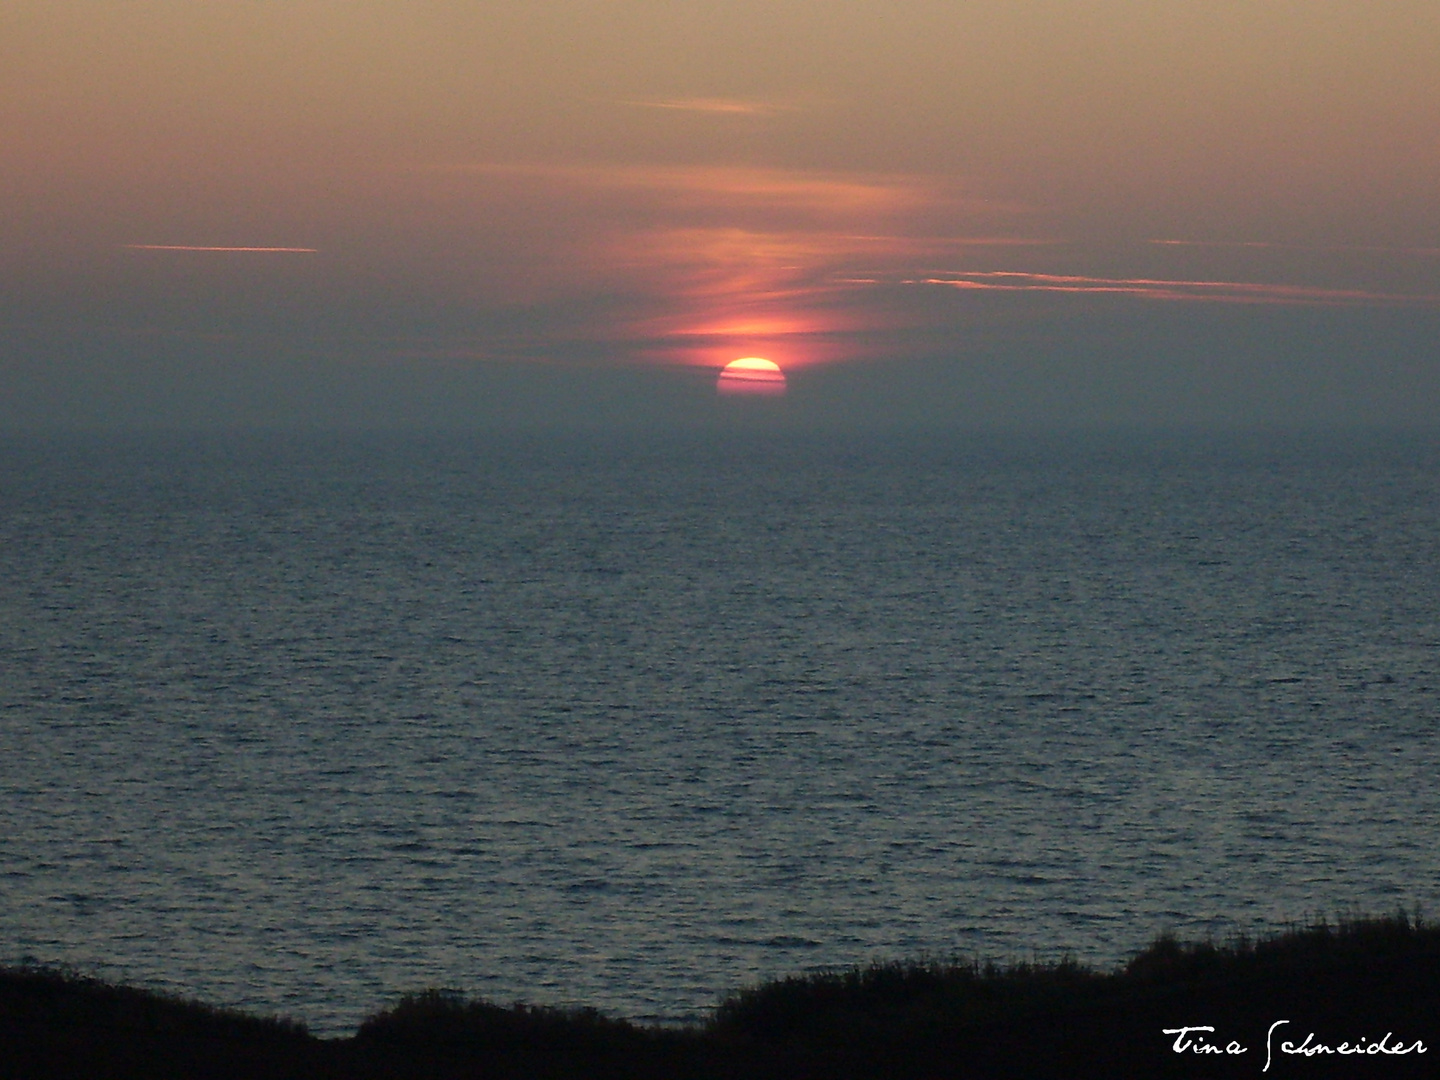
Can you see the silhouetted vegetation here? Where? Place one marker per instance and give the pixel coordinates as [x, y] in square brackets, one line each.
[1353, 982]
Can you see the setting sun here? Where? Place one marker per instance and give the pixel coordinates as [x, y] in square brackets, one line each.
[751, 376]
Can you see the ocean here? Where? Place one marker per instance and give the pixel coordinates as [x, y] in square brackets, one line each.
[299, 723]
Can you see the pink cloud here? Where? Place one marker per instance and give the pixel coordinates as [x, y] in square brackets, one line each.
[1231, 292]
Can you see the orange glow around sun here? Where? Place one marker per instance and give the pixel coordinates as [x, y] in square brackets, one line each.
[751, 376]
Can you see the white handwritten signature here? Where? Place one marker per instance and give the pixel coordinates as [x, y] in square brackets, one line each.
[1192, 1040]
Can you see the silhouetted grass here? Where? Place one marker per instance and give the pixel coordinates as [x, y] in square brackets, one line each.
[1354, 980]
[32, 994]
[898, 996]
[60, 1023]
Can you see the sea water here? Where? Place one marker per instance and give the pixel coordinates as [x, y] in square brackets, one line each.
[298, 724]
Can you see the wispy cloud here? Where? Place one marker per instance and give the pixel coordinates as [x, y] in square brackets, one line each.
[698, 264]
[729, 288]
[207, 247]
[811, 194]
[1369, 249]
[716, 106]
[1232, 292]
[690, 262]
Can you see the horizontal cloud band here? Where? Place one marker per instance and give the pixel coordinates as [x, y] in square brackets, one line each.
[1232, 292]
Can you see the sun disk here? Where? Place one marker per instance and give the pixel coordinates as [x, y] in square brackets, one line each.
[751, 376]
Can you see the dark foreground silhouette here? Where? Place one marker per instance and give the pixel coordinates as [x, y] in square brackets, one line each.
[1361, 991]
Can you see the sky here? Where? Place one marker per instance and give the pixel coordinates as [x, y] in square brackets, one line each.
[976, 214]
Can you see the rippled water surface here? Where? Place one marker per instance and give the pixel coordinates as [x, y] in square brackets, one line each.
[298, 725]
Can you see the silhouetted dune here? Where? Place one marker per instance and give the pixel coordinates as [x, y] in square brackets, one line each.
[1350, 983]
[63, 1024]
[1360, 990]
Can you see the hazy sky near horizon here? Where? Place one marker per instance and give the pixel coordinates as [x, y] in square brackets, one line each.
[1034, 213]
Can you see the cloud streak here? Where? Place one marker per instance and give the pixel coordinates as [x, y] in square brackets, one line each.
[715, 106]
[855, 198]
[1271, 245]
[695, 264]
[1230, 292]
[206, 247]
[707, 262]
